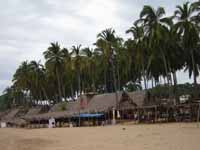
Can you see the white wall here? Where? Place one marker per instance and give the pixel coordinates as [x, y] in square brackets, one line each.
[3, 124]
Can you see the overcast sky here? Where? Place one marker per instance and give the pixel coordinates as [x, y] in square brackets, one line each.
[28, 26]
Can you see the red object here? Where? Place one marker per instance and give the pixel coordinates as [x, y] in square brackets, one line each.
[83, 103]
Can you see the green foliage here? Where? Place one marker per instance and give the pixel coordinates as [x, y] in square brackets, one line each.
[161, 91]
[4, 104]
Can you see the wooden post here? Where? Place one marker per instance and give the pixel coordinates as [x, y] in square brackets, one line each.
[138, 115]
[69, 121]
[108, 117]
[190, 108]
[155, 114]
[105, 117]
[79, 119]
[167, 114]
[88, 121]
[113, 116]
[198, 115]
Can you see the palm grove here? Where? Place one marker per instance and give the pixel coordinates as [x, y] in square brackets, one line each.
[159, 46]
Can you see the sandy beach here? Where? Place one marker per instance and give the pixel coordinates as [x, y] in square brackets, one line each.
[126, 137]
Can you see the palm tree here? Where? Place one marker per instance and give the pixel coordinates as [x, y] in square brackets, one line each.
[139, 49]
[54, 61]
[67, 81]
[77, 63]
[104, 59]
[23, 82]
[188, 28]
[37, 75]
[155, 29]
[90, 66]
[108, 42]
[9, 99]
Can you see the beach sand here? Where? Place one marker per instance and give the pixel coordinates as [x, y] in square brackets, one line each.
[173, 136]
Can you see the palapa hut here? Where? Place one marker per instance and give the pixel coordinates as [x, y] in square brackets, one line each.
[109, 106]
[61, 112]
[91, 108]
[32, 112]
[13, 118]
[2, 123]
[108, 101]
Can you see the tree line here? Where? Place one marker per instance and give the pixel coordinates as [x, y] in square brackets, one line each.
[158, 47]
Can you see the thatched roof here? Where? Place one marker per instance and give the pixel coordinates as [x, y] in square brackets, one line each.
[66, 106]
[103, 102]
[139, 98]
[46, 116]
[69, 108]
[2, 114]
[89, 104]
[18, 121]
[126, 100]
[33, 111]
[12, 114]
[13, 117]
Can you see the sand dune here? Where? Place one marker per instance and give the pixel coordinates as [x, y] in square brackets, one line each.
[132, 137]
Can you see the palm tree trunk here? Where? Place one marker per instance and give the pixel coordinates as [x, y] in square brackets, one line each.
[152, 82]
[105, 82]
[93, 78]
[115, 83]
[175, 87]
[195, 85]
[40, 91]
[174, 78]
[167, 73]
[194, 75]
[79, 82]
[118, 79]
[144, 77]
[64, 94]
[145, 82]
[93, 84]
[165, 66]
[45, 93]
[59, 85]
[72, 91]
[155, 82]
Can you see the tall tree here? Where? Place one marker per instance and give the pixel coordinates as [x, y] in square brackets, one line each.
[76, 54]
[107, 40]
[187, 16]
[54, 62]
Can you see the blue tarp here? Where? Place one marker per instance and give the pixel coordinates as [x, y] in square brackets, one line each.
[90, 115]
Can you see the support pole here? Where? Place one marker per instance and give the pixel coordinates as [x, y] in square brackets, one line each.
[79, 119]
[198, 115]
[88, 121]
[138, 115]
[156, 117]
[167, 114]
[113, 117]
